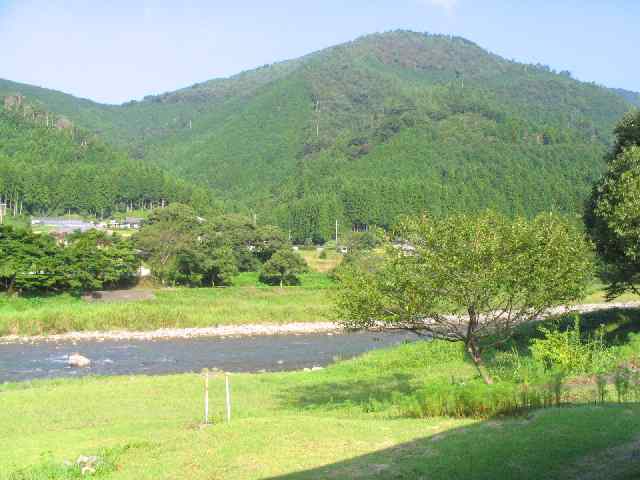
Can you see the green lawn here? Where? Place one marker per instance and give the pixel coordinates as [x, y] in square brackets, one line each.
[181, 307]
[304, 425]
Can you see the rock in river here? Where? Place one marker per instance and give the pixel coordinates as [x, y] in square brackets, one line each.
[77, 360]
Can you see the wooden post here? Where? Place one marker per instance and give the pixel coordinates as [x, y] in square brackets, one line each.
[226, 383]
[206, 396]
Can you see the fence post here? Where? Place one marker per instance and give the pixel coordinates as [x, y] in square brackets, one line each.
[228, 389]
[206, 396]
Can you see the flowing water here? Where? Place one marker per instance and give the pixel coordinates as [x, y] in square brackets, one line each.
[19, 362]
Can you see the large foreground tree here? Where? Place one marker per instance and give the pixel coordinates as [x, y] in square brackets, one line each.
[467, 278]
[613, 212]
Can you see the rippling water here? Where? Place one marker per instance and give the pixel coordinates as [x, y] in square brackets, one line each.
[19, 362]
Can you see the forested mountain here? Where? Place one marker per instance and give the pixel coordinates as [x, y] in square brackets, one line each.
[390, 123]
[631, 97]
[48, 165]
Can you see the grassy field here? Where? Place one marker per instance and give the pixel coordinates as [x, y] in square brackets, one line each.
[597, 294]
[181, 307]
[339, 423]
[317, 263]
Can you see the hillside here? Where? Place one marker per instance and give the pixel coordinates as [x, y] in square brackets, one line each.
[387, 124]
[631, 97]
[48, 165]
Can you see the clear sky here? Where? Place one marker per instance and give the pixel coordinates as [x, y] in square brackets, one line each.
[116, 50]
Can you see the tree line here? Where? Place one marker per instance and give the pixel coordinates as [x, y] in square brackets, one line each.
[179, 247]
[49, 170]
[34, 263]
[182, 248]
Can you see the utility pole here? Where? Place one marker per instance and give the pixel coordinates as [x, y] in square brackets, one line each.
[336, 233]
[3, 207]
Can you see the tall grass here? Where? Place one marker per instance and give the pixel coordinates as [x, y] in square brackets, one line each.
[561, 367]
[175, 308]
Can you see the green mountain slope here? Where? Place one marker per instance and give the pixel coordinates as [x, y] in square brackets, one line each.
[390, 123]
[47, 165]
[629, 96]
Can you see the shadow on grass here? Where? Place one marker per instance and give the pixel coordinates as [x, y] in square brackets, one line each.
[595, 442]
[334, 393]
[618, 323]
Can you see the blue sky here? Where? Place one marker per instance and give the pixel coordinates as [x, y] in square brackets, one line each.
[117, 50]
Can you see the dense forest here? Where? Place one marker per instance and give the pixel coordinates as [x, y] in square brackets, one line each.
[388, 124]
[47, 165]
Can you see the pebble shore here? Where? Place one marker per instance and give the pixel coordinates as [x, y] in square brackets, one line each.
[248, 330]
[177, 333]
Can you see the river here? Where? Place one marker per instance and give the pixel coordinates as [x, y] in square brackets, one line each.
[28, 361]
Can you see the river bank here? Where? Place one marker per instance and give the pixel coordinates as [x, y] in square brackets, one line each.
[169, 310]
[179, 333]
[245, 330]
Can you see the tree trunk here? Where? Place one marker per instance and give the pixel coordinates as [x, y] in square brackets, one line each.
[475, 355]
[472, 346]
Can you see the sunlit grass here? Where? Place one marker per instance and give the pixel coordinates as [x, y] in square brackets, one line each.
[317, 263]
[173, 308]
[302, 425]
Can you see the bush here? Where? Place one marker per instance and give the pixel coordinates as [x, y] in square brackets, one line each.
[283, 268]
[567, 351]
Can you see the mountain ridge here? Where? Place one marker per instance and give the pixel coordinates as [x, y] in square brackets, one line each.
[310, 139]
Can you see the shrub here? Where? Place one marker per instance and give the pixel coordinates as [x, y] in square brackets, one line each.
[563, 350]
[567, 351]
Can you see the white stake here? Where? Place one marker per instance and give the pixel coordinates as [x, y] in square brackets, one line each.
[206, 396]
[226, 382]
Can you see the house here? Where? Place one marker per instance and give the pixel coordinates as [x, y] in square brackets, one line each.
[405, 247]
[62, 225]
[132, 222]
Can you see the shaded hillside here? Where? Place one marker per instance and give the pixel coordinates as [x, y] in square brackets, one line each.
[48, 165]
[629, 96]
[387, 124]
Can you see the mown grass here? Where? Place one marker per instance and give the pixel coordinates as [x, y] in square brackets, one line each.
[247, 303]
[303, 425]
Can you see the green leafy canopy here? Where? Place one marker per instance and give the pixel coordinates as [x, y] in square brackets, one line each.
[468, 277]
